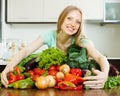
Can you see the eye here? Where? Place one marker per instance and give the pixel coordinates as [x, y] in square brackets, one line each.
[69, 18]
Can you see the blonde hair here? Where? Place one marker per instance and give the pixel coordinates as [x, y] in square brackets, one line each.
[62, 17]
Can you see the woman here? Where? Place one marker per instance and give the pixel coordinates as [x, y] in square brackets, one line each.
[68, 31]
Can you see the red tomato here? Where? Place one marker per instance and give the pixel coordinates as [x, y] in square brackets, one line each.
[35, 77]
[11, 80]
[52, 72]
[38, 71]
[20, 77]
[31, 73]
[52, 68]
[11, 77]
[57, 67]
[41, 71]
[76, 71]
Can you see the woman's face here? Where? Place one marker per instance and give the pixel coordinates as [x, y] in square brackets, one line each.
[71, 23]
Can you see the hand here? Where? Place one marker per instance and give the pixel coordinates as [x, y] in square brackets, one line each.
[4, 76]
[97, 81]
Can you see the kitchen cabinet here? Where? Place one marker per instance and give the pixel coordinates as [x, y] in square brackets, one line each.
[24, 11]
[40, 11]
[93, 10]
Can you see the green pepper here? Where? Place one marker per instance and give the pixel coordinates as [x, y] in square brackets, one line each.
[22, 84]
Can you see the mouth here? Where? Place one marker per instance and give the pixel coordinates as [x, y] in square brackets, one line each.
[71, 29]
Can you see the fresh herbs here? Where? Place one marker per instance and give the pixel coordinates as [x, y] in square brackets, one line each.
[112, 82]
[51, 56]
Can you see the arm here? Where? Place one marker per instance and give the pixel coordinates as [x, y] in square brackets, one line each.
[18, 57]
[98, 57]
[101, 76]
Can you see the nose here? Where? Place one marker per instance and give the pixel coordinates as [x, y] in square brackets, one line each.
[73, 23]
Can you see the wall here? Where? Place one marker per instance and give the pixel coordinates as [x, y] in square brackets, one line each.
[105, 38]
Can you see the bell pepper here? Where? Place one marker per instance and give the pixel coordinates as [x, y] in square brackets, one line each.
[73, 78]
[22, 84]
[65, 85]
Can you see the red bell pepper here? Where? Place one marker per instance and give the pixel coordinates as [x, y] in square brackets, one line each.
[73, 78]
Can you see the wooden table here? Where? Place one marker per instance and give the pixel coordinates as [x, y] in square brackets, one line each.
[56, 92]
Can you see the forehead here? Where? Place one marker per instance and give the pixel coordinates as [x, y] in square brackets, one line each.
[75, 13]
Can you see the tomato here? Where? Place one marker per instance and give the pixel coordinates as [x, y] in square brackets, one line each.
[20, 77]
[34, 77]
[57, 67]
[52, 68]
[38, 71]
[31, 73]
[52, 72]
[11, 78]
[76, 71]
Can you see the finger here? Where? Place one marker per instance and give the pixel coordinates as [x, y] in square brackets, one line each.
[4, 83]
[91, 78]
[4, 80]
[95, 71]
[93, 82]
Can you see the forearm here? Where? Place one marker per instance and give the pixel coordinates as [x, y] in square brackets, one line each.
[104, 64]
[16, 59]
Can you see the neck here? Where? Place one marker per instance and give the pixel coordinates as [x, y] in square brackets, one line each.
[63, 38]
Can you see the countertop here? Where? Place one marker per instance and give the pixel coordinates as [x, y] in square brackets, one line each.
[56, 92]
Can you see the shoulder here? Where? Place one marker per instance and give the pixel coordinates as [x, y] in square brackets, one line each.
[48, 34]
[85, 42]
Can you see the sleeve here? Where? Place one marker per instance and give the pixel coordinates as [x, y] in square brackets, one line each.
[85, 41]
[48, 38]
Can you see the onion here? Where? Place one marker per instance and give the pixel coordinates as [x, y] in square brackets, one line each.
[60, 75]
[51, 80]
[64, 68]
[41, 82]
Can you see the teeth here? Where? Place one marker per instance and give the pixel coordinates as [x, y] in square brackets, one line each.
[71, 29]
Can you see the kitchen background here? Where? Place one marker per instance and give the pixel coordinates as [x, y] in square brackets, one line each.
[106, 37]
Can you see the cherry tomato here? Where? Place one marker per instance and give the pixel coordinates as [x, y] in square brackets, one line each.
[20, 77]
[76, 71]
[57, 67]
[34, 77]
[31, 73]
[52, 68]
[52, 72]
[11, 78]
[38, 71]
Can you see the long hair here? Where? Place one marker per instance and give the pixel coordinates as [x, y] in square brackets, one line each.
[62, 17]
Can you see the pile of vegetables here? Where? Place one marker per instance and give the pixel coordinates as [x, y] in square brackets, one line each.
[53, 68]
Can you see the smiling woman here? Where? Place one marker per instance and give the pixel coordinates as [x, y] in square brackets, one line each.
[68, 32]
